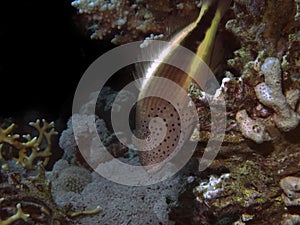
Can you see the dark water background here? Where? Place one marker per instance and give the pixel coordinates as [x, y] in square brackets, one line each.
[43, 54]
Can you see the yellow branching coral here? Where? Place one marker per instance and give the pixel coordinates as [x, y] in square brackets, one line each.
[30, 149]
[86, 212]
[19, 215]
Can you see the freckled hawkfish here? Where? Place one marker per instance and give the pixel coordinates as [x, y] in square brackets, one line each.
[157, 152]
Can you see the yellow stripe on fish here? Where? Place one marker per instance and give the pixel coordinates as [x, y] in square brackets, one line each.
[152, 107]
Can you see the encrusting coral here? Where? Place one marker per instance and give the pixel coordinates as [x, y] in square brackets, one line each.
[84, 135]
[123, 204]
[291, 198]
[90, 150]
[270, 94]
[290, 219]
[252, 129]
[291, 187]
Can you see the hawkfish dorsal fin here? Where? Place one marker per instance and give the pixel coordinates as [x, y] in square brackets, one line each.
[143, 68]
[146, 70]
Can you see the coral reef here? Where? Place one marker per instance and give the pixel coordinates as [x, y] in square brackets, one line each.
[28, 150]
[291, 198]
[90, 150]
[270, 94]
[261, 84]
[135, 205]
[290, 219]
[213, 188]
[124, 21]
[68, 140]
[19, 215]
[262, 75]
[263, 55]
[291, 188]
[33, 194]
[248, 183]
[242, 188]
[71, 179]
[24, 189]
[124, 204]
[250, 128]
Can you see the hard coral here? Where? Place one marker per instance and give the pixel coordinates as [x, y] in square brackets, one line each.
[103, 16]
[125, 21]
[135, 205]
[33, 193]
[19, 215]
[270, 94]
[72, 179]
[291, 198]
[291, 187]
[266, 66]
[86, 139]
[212, 189]
[29, 150]
[252, 25]
[252, 129]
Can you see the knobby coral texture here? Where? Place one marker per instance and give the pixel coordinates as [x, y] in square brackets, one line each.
[25, 188]
[124, 21]
[261, 75]
[261, 82]
[119, 204]
[259, 79]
